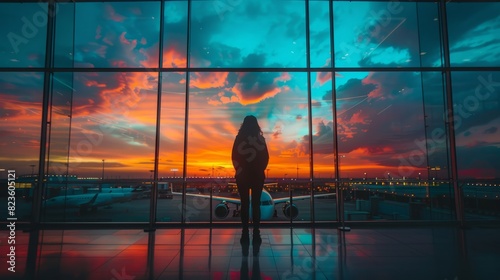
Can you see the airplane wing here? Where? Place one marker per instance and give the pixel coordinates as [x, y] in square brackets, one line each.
[214, 197]
[300, 197]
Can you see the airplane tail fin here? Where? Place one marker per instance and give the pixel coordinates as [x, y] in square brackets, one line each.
[93, 199]
[85, 206]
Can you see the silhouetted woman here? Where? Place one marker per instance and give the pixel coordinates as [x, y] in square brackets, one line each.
[250, 158]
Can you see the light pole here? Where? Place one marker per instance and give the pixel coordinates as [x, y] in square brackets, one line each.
[339, 157]
[102, 176]
[174, 170]
[32, 169]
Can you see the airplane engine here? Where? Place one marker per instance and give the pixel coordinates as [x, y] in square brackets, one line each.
[290, 210]
[221, 210]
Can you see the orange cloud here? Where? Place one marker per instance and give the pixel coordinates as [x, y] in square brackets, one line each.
[111, 13]
[173, 58]
[252, 88]
[206, 80]
[91, 83]
[247, 100]
[359, 118]
[125, 41]
[366, 151]
[322, 78]
[377, 92]
[223, 97]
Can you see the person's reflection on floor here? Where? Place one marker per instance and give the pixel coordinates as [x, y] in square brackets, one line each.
[245, 245]
[255, 274]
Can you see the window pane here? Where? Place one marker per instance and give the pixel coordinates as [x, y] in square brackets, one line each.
[116, 34]
[323, 146]
[171, 159]
[218, 104]
[20, 111]
[380, 118]
[473, 34]
[438, 192]
[64, 42]
[23, 29]
[429, 35]
[224, 34]
[319, 28]
[111, 148]
[436, 142]
[175, 34]
[381, 34]
[476, 107]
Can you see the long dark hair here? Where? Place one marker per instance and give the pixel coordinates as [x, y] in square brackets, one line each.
[250, 127]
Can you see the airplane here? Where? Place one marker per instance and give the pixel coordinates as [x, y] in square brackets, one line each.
[267, 203]
[91, 201]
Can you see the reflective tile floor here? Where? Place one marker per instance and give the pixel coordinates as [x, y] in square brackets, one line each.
[381, 253]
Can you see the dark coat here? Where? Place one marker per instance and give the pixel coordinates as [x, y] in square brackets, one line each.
[250, 158]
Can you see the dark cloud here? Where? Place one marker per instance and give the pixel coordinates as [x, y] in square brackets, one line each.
[491, 130]
[315, 103]
[473, 108]
[323, 138]
[464, 16]
[352, 88]
[252, 87]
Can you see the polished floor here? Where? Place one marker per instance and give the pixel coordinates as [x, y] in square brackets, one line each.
[381, 253]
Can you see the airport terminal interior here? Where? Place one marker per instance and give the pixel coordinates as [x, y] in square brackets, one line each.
[118, 120]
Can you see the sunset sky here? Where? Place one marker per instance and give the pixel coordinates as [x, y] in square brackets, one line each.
[383, 117]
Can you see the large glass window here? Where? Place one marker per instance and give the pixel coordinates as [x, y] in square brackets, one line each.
[380, 90]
